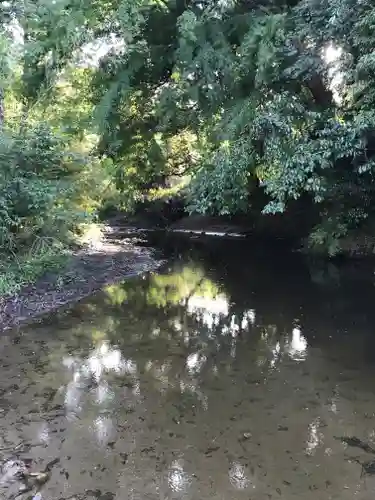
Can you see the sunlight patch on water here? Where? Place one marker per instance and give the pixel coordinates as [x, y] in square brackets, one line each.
[297, 347]
[248, 319]
[73, 394]
[87, 377]
[178, 479]
[275, 355]
[103, 429]
[239, 476]
[103, 393]
[315, 437]
[44, 433]
[209, 309]
[195, 362]
[278, 346]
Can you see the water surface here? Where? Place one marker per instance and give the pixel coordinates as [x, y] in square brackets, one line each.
[231, 374]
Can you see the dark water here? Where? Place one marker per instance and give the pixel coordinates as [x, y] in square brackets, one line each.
[233, 374]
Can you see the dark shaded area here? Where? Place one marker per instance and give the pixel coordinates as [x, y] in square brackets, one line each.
[171, 214]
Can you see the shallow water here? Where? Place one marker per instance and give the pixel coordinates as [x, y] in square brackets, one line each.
[230, 375]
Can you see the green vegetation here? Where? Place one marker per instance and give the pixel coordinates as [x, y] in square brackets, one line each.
[100, 106]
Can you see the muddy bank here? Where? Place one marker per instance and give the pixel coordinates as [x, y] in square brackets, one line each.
[109, 260]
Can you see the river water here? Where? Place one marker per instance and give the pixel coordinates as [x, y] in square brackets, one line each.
[231, 374]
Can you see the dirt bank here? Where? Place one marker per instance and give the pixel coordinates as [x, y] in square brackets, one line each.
[109, 260]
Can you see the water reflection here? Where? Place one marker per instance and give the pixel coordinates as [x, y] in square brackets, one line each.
[239, 476]
[297, 346]
[205, 381]
[195, 362]
[178, 480]
[193, 308]
[88, 378]
[103, 430]
[208, 310]
[315, 437]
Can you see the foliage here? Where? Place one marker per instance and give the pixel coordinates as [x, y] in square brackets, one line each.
[16, 272]
[239, 97]
[50, 182]
[36, 188]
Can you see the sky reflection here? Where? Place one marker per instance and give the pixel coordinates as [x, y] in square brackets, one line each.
[206, 325]
[179, 389]
[88, 377]
[178, 479]
[297, 346]
[239, 477]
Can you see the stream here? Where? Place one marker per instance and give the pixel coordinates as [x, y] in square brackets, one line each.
[233, 373]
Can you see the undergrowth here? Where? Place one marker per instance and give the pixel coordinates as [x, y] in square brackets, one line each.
[17, 271]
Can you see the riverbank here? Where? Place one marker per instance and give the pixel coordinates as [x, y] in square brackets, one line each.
[108, 259]
[117, 252]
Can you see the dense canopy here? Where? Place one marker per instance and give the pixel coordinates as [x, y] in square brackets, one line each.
[107, 98]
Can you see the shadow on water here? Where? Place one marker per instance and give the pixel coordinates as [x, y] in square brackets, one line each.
[232, 373]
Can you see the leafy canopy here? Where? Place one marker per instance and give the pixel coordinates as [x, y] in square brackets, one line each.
[239, 95]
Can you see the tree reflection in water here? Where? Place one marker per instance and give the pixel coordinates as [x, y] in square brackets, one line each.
[167, 332]
[187, 321]
[204, 376]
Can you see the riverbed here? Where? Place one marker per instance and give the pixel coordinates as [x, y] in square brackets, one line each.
[233, 373]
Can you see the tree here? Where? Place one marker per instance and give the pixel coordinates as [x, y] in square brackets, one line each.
[45, 150]
[249, 80]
